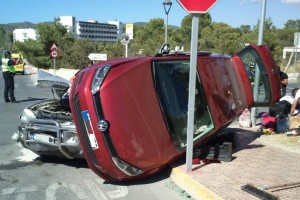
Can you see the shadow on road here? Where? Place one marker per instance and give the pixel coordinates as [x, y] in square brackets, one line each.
[78, 163]
[32, 99]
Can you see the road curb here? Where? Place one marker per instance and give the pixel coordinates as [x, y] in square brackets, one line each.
[191, 186]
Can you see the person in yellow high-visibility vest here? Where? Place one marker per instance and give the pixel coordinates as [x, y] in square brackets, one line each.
[8, 71]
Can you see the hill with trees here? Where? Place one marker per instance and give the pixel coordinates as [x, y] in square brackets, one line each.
[12, 26]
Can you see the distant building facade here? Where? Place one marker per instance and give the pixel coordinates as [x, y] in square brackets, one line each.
[95, 31]
[119, 25]
[92, 30]
[21, 35]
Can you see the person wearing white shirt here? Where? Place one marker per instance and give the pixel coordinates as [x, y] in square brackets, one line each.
[296, 95]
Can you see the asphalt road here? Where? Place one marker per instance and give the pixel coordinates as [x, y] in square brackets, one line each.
[26, 176]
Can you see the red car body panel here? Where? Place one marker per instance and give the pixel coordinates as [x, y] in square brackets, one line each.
[139, 128]
[222, 91]
[126, 106]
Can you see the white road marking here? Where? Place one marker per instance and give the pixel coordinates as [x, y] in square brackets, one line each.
[21, 192]
[95, 189]
[50, 191]
[78, 191]
[120, 192]
[27, 156]
[29, 189]
[21, 196]
[8, 190]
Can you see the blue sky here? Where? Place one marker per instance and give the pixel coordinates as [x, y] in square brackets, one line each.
[232, 12]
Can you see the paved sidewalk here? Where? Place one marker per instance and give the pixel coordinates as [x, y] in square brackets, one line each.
[254, 161]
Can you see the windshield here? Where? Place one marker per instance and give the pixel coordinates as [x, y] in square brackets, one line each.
[256, 71]
[15, 57]
[172, 83]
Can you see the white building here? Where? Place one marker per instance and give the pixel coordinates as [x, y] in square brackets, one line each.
[24, 34]
[119, 25]
[92, 30]
[69, 23]
[95, 31]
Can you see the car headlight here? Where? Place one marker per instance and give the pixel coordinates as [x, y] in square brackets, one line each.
[126, 168]
[27, 115]
[99, 77]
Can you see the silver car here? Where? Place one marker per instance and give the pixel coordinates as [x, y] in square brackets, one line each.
[47, 127]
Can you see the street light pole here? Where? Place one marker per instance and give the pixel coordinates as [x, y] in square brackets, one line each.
[254, 110]
[167, 6]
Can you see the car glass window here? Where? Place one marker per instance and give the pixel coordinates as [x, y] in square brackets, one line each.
[20, 60]
[172, 83]
[256, 70]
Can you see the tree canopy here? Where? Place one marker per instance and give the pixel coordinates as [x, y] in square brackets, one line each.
[148, 38]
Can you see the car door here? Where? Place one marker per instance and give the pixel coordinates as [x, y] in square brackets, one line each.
[260, 74]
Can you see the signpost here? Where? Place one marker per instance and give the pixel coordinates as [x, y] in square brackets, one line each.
[125, 41]
[97, 56]
[54, 54]
[195, 7]
[296, 43]
[53, 47]
[129, 31]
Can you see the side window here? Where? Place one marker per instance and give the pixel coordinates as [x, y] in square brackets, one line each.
[20, 61]
[171, 80]
[256, 71]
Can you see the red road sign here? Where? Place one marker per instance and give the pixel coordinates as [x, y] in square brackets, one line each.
[197, 6]
[53, 47]
[54, 53]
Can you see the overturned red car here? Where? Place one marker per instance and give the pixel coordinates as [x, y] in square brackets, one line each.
[131, 113]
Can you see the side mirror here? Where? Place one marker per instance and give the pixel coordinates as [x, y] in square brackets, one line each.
[165, 49]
